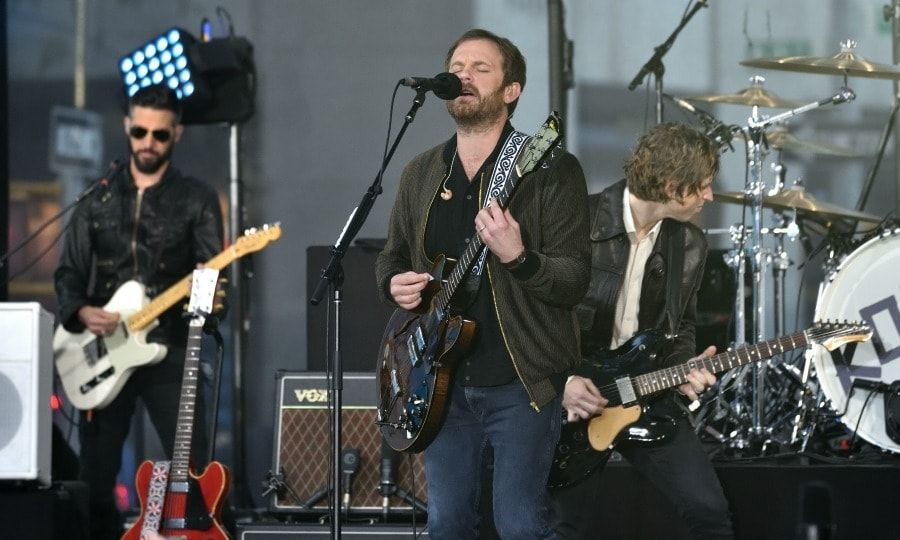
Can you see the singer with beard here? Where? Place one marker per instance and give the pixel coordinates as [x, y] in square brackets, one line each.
[152, 224]
[505, 394]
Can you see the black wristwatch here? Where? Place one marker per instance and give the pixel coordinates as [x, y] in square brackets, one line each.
[520, 259]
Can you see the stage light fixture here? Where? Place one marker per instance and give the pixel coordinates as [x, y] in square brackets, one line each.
[215, 79]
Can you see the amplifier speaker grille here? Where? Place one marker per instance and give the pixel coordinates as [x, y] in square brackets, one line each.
[303, 452]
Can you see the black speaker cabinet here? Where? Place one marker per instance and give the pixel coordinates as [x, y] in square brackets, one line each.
[363, 315]
[302, 450]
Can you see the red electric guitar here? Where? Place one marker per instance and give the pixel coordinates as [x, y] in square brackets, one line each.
[175, 501]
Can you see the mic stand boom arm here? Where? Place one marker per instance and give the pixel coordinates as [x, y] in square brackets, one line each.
[333, 275]
[655, 64]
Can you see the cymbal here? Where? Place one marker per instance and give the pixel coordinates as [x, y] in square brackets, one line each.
[798, 198]
[781, 139]
[755, 94]
[846, 62]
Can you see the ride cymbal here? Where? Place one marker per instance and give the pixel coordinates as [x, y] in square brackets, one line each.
[755, 94]
[846, 63]
[801, 200]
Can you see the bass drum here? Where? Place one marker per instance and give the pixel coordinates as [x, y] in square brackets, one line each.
[864, 287]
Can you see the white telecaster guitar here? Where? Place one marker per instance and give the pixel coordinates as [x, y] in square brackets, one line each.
[94, 368]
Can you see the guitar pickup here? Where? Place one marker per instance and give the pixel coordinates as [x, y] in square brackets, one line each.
[412, 352]
[626, 390]
[88, 386]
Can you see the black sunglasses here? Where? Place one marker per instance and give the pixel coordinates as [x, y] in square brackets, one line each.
[161, 135]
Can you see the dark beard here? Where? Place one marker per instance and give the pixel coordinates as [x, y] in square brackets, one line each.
[482, 113]
[153, 165]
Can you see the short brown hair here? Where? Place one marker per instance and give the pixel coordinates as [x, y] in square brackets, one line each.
[513, 61]
[671, 154]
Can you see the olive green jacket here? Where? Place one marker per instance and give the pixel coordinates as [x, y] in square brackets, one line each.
[534, 301]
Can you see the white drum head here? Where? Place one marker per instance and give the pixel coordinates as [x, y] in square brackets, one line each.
[866, 288]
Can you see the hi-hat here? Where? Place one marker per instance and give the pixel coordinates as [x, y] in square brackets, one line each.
[755, 94]
[799, 199]
[846, 63]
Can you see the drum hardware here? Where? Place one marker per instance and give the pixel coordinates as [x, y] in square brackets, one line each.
[780, 138]
[761, 404]
[846, 63]
[754, 95]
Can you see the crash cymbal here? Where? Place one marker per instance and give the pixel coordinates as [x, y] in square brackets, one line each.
[846, 62]
[798, 198]
[755, 94]
[781, 139]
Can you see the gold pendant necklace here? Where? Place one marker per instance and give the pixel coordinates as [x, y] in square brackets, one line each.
[447, 193]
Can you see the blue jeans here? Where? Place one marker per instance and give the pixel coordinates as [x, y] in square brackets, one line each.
[523, 442]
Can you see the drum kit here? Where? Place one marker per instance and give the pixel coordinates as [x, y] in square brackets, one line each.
[778, 405]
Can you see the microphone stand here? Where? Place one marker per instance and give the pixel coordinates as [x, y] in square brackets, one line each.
[83, 195]
[332, 277]
[655, 64]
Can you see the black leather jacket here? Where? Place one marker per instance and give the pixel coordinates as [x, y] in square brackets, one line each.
[609, 258]
[157, 238]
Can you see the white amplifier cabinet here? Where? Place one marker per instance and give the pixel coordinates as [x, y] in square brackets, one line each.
[26, 379]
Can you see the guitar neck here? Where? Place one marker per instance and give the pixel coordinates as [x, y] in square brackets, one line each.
[181, 455]
[670, 377]
[176, 292]
[473, 250]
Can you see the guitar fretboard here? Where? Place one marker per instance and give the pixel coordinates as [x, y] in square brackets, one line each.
[181, 455]
[663, 379]
[173, 294]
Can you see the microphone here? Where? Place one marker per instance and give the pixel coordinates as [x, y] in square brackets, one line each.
[704, 116]
[715, 128]
[349, 465]
[444, 85]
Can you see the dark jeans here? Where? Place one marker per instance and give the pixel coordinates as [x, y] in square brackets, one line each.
[679, 468]
[522, 441]
[103, 435]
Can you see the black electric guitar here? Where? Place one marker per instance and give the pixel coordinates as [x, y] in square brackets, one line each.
[627, 378]
[420, 349]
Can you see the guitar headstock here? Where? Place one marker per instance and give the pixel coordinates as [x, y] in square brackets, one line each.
[257, 238]
[203, 291]
[833, 334]
[543, 141]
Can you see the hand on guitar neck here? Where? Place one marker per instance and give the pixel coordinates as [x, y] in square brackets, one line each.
[698, 380]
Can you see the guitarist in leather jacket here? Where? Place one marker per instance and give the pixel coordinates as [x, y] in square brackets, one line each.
[667, 180]
[152, 224]
[506, 393]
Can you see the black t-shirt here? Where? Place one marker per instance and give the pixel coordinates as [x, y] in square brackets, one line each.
[451, 225]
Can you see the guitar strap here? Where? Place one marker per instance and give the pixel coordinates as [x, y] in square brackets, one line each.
[503, 169]
[676, 247]
[156, 497]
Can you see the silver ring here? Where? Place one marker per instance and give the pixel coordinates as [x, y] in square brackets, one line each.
[482, 228]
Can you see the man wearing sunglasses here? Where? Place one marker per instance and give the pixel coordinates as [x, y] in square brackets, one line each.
[151, 224]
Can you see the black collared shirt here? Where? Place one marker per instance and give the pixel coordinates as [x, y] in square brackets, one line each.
[451, 225]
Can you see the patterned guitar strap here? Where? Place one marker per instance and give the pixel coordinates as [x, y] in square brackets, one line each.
[156, 497]
[503, 169]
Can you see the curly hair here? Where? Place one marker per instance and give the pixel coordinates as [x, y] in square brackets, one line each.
[513, 61]
[673, 156]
